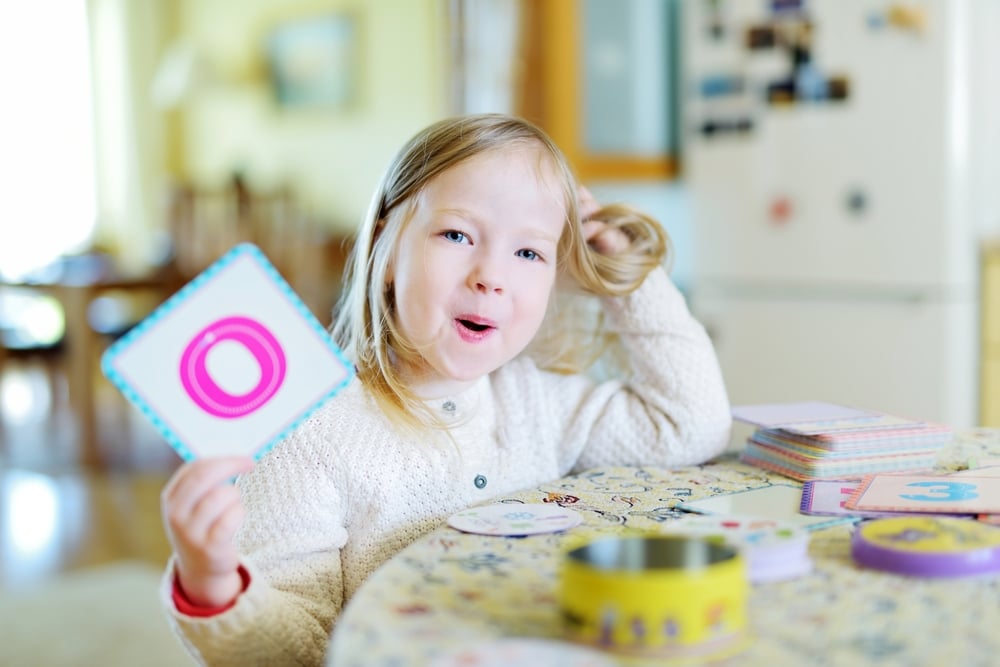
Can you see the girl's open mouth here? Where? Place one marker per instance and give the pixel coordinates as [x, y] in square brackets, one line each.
[474, 326]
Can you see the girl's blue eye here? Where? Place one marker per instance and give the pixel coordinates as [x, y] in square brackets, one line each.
[527, 253]
[455, 236]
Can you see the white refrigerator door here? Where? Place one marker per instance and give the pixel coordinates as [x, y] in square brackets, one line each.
[873, 189]
[914, 358]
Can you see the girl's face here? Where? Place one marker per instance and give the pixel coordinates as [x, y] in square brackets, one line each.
[474, 267]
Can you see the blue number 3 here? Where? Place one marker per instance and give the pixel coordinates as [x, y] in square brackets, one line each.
[943, 491]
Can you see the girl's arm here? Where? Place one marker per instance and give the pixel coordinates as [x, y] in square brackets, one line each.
[289, 545]
[201, 513]
[671, 410]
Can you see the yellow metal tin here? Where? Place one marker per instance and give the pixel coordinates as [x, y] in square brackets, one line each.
[669, 597]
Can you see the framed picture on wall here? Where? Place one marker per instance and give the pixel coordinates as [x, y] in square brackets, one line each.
[313, 62]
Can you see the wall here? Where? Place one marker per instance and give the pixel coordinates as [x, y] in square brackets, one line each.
[331, 158]
[131, 151]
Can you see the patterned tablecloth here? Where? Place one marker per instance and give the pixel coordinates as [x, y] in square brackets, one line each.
[451, 590]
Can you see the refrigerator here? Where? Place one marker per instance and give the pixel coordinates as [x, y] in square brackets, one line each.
[842, 160]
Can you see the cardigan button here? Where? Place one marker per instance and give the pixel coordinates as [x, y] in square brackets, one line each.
[448, 406]
[480, 481]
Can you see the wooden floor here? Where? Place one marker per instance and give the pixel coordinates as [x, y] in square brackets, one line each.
[56, 515]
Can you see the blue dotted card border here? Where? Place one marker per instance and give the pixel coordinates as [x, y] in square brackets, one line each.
[237, 252]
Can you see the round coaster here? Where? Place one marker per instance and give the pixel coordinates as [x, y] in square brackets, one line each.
[927, 546]
[515, 519]
[774, 550]
[524, 651]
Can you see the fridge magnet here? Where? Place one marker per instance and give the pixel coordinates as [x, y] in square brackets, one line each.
[231, 363]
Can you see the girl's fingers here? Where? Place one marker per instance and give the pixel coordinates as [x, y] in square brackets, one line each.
[194, 480]
[592, 228]
[604, 239]
[226, 525]
[588, 205]
[197, 524]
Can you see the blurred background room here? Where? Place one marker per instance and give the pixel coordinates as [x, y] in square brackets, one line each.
[825, 170]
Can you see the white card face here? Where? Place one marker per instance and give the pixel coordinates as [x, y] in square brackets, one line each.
[515, 519]
[231, 363]
[774, 415]
[779, 502]
[508, 651]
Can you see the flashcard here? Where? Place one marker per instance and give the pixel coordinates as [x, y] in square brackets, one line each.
[774, 415]
[506, 651]
[231, 363]
[774, 550]
[828, 497]
[990, 468]
[927, 494]
[983, 462]
[778, 501]
[515, 519]
[985, 471]
[877, 422]
[817, 417]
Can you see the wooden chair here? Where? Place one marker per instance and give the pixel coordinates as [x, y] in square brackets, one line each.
[205, 223]
[32, 334]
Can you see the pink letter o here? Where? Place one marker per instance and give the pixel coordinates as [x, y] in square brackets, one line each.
[206, 393]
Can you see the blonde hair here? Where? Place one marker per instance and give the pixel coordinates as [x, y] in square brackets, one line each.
[364, 324]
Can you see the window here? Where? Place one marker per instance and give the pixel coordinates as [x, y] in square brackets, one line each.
[47, 167]
[600, 77]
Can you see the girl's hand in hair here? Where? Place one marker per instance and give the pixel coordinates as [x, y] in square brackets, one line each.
[600, 236]
[202, 511]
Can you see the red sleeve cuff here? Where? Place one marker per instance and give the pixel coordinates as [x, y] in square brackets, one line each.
[188, 608]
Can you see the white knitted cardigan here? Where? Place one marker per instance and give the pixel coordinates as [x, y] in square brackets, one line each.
[345, 491]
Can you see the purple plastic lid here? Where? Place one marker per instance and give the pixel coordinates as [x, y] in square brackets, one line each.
[927, 546]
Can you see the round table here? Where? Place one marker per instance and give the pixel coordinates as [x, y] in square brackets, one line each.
[450, 590]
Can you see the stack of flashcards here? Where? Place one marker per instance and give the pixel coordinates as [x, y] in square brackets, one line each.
[815, 440]
[973, 492]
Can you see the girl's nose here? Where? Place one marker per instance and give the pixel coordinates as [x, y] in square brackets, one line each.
[483, 286]
[487, 277]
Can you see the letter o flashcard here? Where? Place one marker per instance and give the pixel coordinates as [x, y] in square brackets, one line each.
[231, 363]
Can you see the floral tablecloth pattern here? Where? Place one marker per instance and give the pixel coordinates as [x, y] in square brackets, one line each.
[450, 590]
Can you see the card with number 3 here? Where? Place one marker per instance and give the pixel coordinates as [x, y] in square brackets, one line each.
[231, 363]
[927, 493]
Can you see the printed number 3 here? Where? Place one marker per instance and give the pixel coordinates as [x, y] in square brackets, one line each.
[943, 491]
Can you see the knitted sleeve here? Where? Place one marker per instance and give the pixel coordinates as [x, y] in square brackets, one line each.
[291, 539]
[671, 411]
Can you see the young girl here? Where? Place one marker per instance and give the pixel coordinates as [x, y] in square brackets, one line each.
[475, 223]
